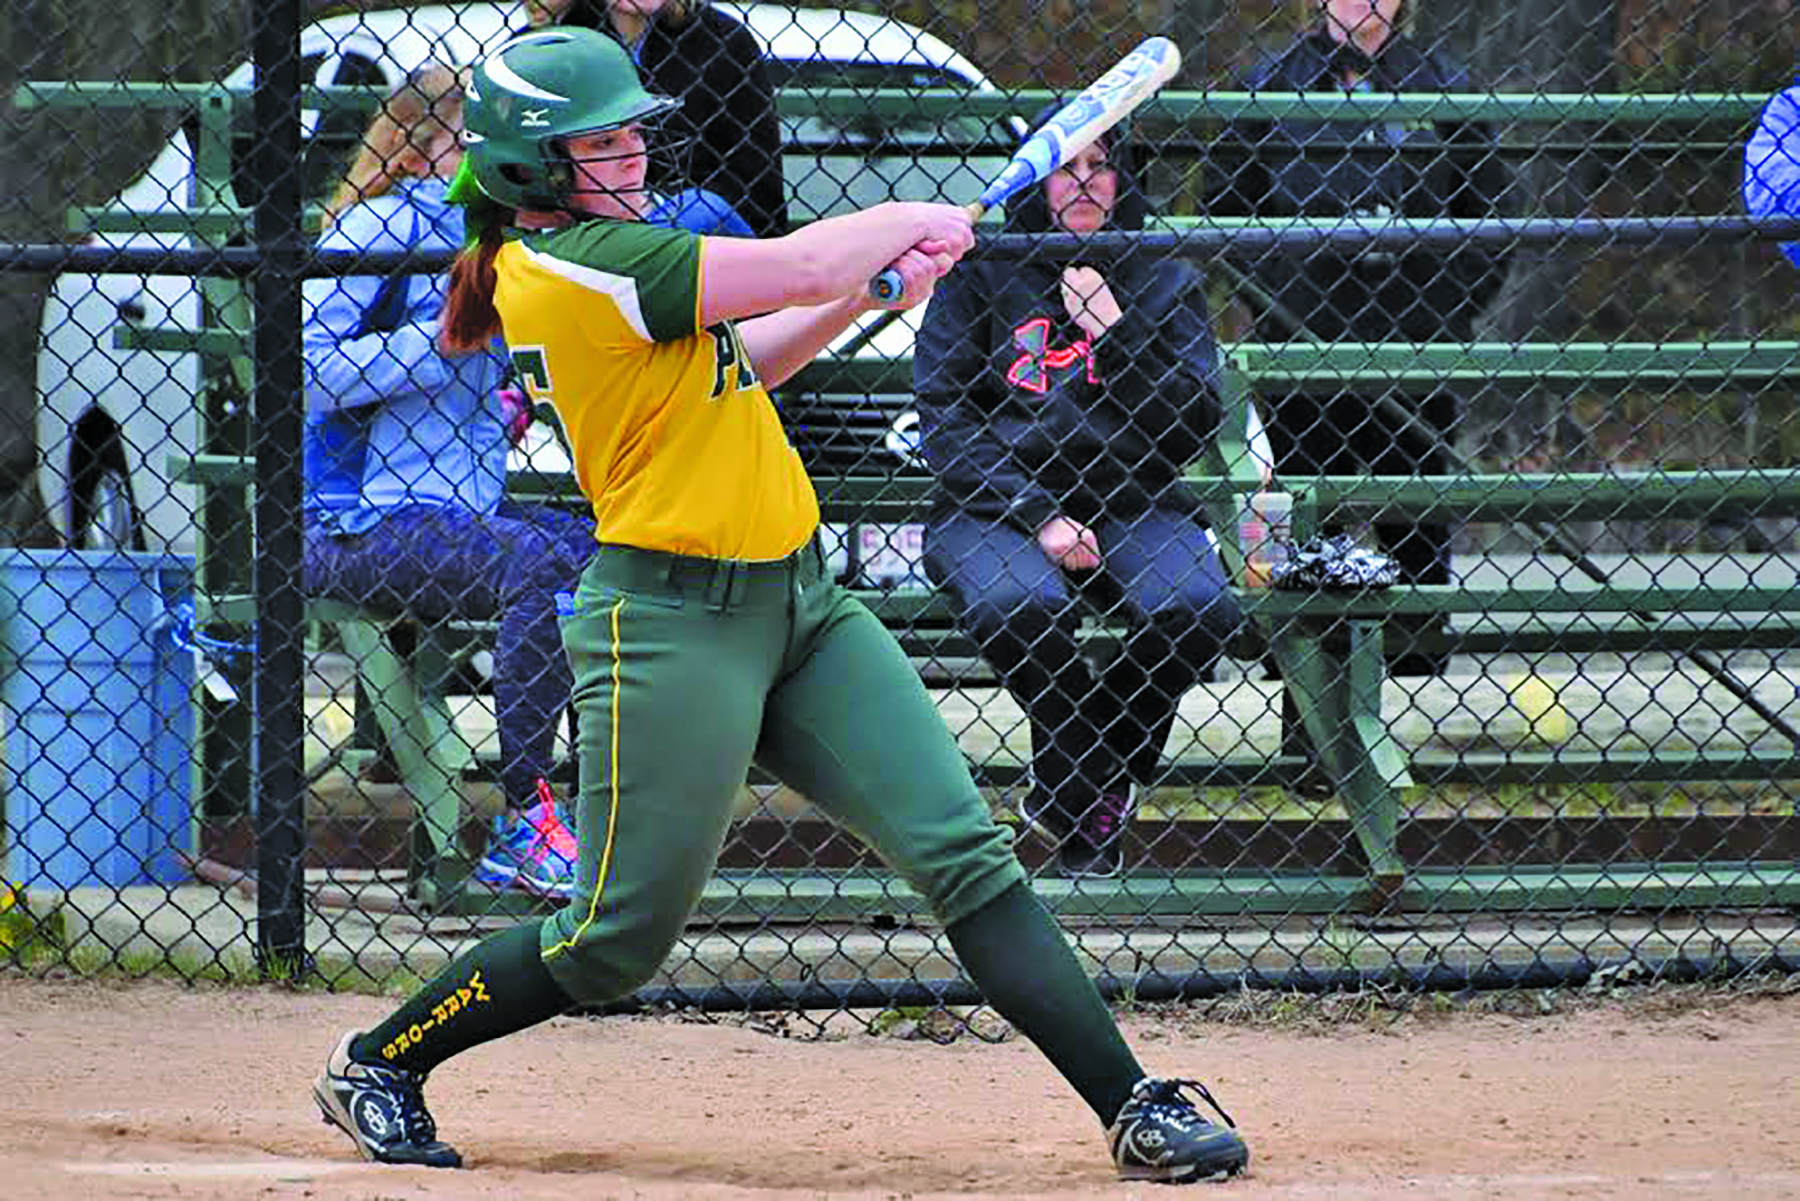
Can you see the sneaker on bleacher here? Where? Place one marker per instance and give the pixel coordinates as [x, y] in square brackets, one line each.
[531, 850]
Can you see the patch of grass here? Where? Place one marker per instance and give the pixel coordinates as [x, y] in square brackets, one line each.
[888, 1020]
[116, 965]
[938, 1024]
[358, 980]
[1614, 799]
[1342, 945]
[1604, 797]
[24, 933]
[1517, 800]
[1384, 1007]
[49, 958]
[1580, 802]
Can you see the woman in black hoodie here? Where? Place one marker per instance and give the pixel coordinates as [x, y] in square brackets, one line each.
[1059, 404]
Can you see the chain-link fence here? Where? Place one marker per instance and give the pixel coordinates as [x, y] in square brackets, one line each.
[1346, 516]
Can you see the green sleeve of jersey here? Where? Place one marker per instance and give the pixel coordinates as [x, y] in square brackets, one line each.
[647, 267]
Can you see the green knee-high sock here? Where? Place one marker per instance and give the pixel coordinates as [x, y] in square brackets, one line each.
[498, 987]
[1016, 954]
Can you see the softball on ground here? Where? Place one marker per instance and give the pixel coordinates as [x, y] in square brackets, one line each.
[1536, 698]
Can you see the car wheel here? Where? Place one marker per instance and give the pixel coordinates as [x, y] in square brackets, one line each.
[103, 513]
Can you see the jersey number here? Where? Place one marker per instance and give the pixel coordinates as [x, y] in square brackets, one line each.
[728, 351]
[533, 370]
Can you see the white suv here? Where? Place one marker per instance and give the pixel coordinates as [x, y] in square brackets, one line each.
[113, 418]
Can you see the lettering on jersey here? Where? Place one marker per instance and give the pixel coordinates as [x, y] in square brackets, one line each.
[728, 351]
[1032, 369]
[533, 370]
[457, 1001]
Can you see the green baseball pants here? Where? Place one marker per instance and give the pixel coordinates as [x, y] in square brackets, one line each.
[689, 669]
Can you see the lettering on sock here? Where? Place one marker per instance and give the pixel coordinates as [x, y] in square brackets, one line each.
[457, 1002]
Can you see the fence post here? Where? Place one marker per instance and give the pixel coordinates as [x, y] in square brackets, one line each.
[277, 686]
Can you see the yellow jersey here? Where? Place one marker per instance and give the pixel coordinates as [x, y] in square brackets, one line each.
[676, 443]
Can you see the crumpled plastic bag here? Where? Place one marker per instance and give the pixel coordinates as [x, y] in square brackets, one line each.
[1334, 563]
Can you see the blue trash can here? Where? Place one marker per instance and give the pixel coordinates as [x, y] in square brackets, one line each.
[98, 704]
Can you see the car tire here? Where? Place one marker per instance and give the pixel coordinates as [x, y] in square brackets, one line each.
[103, 512]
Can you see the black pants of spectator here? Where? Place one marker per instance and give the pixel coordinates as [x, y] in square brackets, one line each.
[1352, 435]
[1342, 434]
[1090, 732]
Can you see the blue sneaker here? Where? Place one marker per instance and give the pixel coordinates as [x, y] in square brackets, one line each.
[532, 851]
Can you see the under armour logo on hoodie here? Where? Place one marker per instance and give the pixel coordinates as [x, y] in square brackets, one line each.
[1032, 369]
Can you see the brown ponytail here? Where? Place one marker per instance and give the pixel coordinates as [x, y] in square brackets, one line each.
[470, 319]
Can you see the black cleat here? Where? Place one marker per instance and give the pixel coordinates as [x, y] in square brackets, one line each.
[382, 1109]
[1096, 850]
[1160, 1136]
[1043, 819]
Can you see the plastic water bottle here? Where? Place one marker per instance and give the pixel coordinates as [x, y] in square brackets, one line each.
[1265, 534]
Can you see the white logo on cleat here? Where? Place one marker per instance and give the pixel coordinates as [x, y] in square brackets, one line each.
[1148, 1145]
[372, 1115]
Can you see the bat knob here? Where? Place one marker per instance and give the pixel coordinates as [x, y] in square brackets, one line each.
[887, 287]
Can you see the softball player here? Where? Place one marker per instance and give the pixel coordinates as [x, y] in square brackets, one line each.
[706, 632]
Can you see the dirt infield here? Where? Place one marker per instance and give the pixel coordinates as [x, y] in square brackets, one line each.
[152, 1090]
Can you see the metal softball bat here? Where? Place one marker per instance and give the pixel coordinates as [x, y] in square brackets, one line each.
[1107, 101]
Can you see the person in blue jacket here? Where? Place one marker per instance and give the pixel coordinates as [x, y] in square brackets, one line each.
[406, 454]
[700, 211]
[1772, 163]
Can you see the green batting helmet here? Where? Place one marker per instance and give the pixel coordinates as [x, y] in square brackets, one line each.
[537, 89]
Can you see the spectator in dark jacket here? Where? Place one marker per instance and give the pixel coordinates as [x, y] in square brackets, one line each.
[714, 66]
[1369, 170]
[1058, 406]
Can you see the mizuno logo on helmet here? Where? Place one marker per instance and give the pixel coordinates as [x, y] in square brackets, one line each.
[512, 81]
[534, 118]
